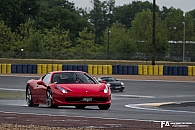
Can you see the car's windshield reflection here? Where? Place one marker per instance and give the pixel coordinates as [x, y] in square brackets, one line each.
[72, 78]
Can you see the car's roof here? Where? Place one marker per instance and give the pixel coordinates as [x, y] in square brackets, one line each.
[56, 72]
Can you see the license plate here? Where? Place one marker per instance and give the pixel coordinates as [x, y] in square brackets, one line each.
[117, 87]
[87, 99]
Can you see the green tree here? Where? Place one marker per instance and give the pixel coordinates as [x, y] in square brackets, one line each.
[86, 43]
[141, 32]
[9, 13]
[23, 33]
[16, 12]
[189, 27]
[125, 14]
[192, 13]
[175, 23]
[164, 12]
[62, 13]
[7, 38]
[119, 39]
[180, 21]
[57, 41]
[35, 43]
[101, 16]
[189, 36]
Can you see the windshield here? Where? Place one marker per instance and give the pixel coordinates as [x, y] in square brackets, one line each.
[72, 78]
[108, 79]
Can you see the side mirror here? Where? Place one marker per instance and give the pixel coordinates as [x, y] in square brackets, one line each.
[41, 83]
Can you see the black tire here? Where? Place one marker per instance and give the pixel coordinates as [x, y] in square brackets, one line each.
[29, 100]
[49, 99]
[121, 90]
[80, 106]
[104, 107]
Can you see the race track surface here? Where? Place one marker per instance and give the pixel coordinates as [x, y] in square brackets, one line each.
[150, 100]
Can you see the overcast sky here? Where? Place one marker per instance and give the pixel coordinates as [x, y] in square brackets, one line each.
[185, 5]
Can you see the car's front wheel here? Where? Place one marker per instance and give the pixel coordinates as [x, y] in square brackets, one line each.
[104, 107]
[49, 99]
[29, 99]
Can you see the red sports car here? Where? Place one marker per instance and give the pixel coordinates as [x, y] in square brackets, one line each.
[72, 88]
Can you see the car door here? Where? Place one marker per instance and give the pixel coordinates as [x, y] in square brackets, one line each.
[41, 89]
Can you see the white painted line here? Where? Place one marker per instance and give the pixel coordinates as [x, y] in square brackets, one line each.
[133, 96]
[174, 96]
[9, 89]
[138, 106]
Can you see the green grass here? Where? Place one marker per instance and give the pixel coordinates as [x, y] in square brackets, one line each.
[12, 95]
[94, 62]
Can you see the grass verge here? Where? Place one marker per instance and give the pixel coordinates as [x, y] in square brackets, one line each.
[11, 95]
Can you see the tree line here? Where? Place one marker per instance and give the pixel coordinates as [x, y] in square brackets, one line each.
[58, 27]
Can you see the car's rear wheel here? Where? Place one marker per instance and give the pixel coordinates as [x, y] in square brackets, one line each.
[104, 107]
[49, 99]
[80, 106]
[29, 99]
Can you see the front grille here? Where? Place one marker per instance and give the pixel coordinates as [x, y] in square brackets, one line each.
[96, 99]
[115, 84]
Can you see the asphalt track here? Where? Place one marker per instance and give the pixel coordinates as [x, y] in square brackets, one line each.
[141, 100]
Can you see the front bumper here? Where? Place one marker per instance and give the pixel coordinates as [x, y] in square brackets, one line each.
[117, 87]
[77, 99]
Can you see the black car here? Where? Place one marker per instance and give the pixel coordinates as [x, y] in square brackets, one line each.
[113, 83]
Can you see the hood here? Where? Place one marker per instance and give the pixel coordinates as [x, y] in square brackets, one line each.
[83, 87]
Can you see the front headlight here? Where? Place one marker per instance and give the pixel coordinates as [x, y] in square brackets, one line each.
[62, 89]
[122, 83]
[106, 89]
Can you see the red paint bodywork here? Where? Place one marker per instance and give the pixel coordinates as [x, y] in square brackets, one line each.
[75, 91]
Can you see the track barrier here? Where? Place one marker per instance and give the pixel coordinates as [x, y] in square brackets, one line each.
[100, 69]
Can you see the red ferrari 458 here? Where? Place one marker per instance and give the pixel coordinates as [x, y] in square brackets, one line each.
[72, 88]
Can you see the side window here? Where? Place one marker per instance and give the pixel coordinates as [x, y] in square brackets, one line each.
[46, 78]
